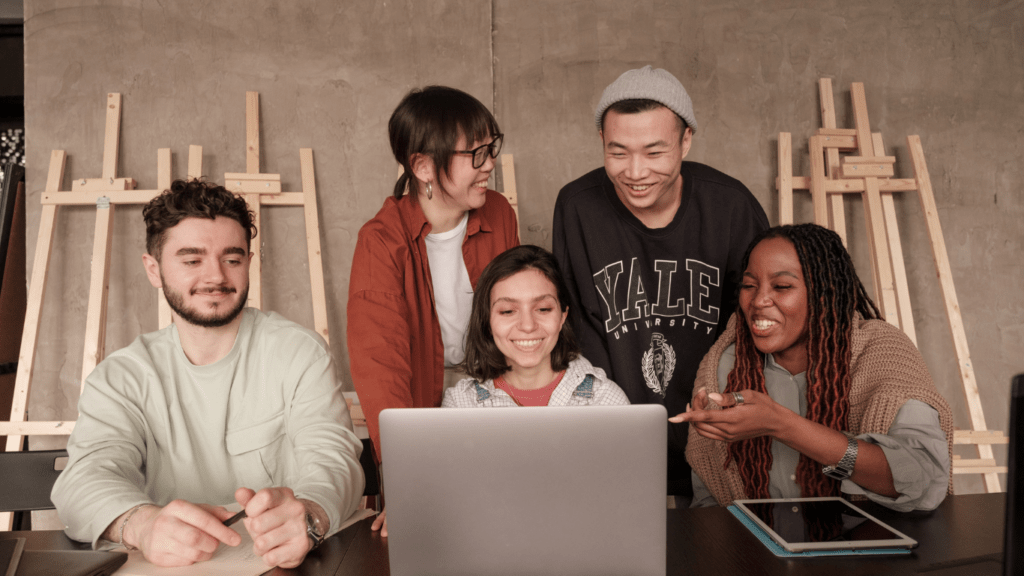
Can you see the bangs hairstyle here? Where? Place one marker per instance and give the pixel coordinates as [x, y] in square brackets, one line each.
[484, 361]
[429, 121]
[638, 105]
[834, 294]
[192, 199]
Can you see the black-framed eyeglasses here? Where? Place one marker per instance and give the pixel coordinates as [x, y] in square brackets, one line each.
[480, 152]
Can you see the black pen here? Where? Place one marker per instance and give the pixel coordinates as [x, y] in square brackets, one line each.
[235, 518]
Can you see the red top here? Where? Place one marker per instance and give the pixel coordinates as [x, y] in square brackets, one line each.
[538, 397]
[395, 351]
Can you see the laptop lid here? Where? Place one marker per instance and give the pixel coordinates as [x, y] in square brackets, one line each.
[549, 490]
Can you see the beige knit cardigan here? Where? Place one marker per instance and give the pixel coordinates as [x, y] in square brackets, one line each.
[886, 370]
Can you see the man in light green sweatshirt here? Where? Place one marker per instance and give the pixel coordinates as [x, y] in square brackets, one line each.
[226, 404]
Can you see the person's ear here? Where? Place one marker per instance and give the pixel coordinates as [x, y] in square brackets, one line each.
[152, 266]
[423, 167]
[686, 141]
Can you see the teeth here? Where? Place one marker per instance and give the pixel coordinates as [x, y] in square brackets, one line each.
[527, 343]
[640, 188]
[763, 324]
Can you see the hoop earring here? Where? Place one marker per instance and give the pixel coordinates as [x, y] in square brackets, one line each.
[430, 190]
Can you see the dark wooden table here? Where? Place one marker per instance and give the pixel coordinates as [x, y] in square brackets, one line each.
[963, 536]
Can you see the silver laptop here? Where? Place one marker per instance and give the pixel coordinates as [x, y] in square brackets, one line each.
[546, 491]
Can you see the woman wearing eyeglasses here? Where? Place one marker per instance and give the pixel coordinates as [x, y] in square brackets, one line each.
[417, 261]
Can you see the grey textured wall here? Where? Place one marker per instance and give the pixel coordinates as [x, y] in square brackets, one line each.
[329, 75]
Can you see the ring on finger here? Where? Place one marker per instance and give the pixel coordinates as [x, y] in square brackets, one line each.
[737, 398]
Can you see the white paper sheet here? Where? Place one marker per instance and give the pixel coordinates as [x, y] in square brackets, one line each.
[226, 561]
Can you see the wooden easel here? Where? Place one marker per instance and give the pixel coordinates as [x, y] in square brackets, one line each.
[105, 193]
[867, 171]
[265, 190]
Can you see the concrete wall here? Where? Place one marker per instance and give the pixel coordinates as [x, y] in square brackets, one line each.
[329, 75]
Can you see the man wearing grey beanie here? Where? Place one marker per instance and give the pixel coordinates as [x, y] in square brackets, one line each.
[651, 248]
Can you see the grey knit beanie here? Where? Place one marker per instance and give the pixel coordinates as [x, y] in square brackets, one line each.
[651, 84]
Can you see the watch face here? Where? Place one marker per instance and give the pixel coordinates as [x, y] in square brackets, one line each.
[312, 527]
[836, 473]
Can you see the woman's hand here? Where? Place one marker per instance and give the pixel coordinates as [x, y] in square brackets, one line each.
[381, 523]
[757, 415]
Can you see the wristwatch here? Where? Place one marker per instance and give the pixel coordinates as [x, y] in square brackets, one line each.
[844, 468]
[315, 533]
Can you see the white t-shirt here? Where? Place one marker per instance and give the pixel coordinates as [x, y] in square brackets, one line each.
[453, 292]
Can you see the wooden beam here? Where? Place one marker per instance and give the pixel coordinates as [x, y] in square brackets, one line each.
[510, 193]
[251, 187]
[34, 304]
[837, 212]
[283, 199]
[860, 119]
[956, 325]
[881, 264]
[785, 181]
[316, 263]
[256, 264]
[102, 184]
[99, 288]
[899, 267]
[37, 428]
[112, 135]
[252, 132]
[163, 182]
[856, 186]
[818, 192]
[247, 176]
[848, 170]
[195, 162]
[90, 198]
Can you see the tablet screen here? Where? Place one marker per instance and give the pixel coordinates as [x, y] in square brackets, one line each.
[813, 523]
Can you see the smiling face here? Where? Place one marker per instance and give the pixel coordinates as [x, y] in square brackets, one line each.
[465, 187]
[773, 300]
[203, 270]
[526, 319]
[643, 152]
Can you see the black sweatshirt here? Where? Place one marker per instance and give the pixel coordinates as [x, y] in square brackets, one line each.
[649, 303]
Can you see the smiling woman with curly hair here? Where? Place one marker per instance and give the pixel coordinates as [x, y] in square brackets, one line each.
[809, 393]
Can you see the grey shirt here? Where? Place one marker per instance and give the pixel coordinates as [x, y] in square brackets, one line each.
[915, 447]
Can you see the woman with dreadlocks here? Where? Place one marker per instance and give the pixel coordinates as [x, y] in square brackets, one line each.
[809, 393]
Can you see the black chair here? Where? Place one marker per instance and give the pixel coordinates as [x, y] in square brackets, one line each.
[26, 479]
[368, 459]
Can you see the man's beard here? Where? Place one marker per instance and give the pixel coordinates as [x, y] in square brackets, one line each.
[177, 303]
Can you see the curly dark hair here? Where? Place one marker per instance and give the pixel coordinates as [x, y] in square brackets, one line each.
[194, 198]
[429, 121]
[484, 361]
[834, 293]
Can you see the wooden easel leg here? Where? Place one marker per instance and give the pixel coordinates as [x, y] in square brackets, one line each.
[33, 311]
[956, 325]
[163, 182]
[899, 268]
[785, 178]
[837, 214]
[99, 287]
[818, 193]
[316, 263]
[880, 251]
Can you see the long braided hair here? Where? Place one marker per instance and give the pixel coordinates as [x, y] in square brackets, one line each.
[834, 293]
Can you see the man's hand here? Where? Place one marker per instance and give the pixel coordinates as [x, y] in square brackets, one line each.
[276, 520]
[180, 533]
